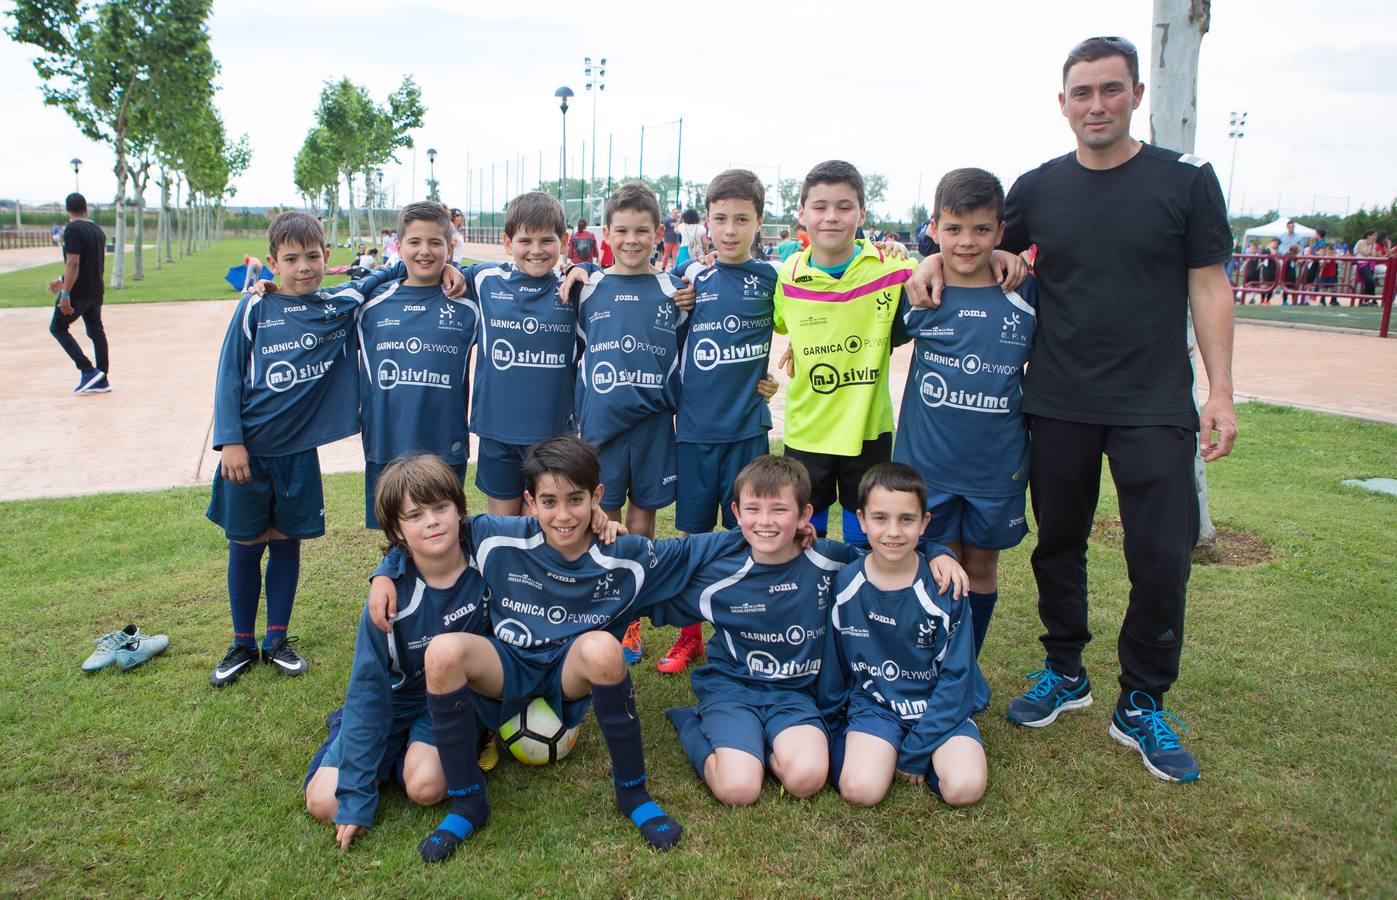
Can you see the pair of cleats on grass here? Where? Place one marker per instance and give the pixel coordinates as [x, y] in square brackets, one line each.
[127, 648]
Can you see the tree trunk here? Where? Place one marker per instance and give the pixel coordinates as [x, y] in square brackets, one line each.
[353, 218]
[119, 213]
[1179, 26]
[369, 205]
[140, 185]
[165, 213]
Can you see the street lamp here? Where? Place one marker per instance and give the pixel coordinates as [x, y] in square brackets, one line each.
[595, 76]
[432, 175]
[563, 93]
[1239, 131]
[76, 164]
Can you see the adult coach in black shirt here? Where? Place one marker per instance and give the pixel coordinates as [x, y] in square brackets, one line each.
[80, 296]
[1129, 237]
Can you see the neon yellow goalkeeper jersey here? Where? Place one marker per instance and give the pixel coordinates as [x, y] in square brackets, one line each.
[841, 334]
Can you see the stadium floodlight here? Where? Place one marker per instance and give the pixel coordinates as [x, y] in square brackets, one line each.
[1239, 130]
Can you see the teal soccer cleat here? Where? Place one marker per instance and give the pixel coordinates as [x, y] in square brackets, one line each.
[107, 645]
[140, 648]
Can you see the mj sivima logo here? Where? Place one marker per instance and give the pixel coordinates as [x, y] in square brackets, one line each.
[514, 633]
[281, 376]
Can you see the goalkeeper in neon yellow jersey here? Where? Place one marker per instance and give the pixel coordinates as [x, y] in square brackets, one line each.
[837, 300]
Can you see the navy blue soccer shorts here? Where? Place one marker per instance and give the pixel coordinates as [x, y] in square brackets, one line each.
[706, 474]
[498, 469]
[285, 493]
[529, 674]
[990, 523]
[372, 471]
[639, 463]
[417, 730]
[745, 717]
[868, 716]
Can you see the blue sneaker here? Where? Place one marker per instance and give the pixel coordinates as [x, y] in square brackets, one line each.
[100, 386]
[87, 379]
[141, 648]
[1051, 694]
[1149, 729]
[107, 645]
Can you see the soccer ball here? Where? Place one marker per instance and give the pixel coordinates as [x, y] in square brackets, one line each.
[536, 736]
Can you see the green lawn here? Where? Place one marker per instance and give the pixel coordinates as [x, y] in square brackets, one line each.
[152, 782]
[195, 277]
[1368, 318]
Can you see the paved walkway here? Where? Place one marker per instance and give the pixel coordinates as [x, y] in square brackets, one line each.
[152, 430]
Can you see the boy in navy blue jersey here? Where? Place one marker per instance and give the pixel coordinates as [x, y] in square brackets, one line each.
[286, 384]
[907, 660]
[962, 425]
[722, 423]
[415, 345]
[384, 731]
[559, 602]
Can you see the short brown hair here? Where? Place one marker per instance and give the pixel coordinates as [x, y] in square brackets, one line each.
[294, 228]
[633, 195]
[833, 171]
[767, 475]
[535, 211]
[1094, 48]
[424, 478]
[737, 184]
[891, 476]
[565, 456]
[963, 190]
[426, 211]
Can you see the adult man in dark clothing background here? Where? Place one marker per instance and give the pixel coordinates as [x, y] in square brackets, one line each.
[80, 296]
[1129, 237]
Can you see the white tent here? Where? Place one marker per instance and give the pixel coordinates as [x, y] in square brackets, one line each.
[1277, 229]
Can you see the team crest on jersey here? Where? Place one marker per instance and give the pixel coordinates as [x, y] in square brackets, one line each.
[1010, 333]
[605, 588]
[926, 636]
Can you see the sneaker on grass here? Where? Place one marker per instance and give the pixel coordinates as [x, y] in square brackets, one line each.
[1052, 693]
[107, 645]
[632, 647]
[236, 662]
[140, 648]
[285, 658]
[1142, 725]
[685, 650]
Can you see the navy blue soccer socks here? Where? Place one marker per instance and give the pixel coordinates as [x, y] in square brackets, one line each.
[620, 727]
[454, 729]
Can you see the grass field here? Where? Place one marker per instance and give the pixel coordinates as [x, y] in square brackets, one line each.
[1368, 318]
[152, 782]
[198, 276]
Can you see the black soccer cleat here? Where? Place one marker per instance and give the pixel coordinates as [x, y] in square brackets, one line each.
[284, 658]
[235, 664]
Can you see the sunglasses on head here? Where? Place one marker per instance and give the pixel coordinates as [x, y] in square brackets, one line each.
[1119, 43]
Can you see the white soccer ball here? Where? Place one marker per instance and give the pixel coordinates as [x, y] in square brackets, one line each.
[536, 736]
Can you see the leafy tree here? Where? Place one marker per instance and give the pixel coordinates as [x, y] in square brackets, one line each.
[789, 190]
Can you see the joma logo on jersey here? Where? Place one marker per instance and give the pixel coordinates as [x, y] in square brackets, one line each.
[971, 314]
[457, 614]
[879, 617]
[780, 588]
[826, 379]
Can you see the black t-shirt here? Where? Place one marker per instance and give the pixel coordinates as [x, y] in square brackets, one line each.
[1114, 250]
[89, 242]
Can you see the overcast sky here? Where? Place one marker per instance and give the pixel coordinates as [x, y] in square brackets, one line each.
[909, 93]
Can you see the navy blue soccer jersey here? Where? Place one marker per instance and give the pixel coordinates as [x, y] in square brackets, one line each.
[526, 373]
[286, 375]
[387, 688]
[912, 652]
[631, 333]
[769, 621]
[962, 425]
[725, 353]
[416, 347]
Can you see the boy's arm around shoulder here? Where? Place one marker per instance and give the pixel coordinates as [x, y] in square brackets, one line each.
[960, 690]
[368, 717]
[365, 287]
[670, 565]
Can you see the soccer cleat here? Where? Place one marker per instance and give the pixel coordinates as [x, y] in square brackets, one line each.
[100, 386]
[87, 379]
[489, 754]
[285, 658]
[631, 644]
[236, 662]
[140, 648]
[1051, 694]
[684, 652]
[107, 645]
[1149, 729]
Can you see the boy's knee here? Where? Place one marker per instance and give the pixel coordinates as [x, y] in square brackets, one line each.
[962, 788]
[426, 790]
[859, 791]
[320, 804]
[805, 780]
[736, 791]
[445, 656]
[602, 657]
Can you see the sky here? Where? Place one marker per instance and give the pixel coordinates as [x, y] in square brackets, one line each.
[908, 93]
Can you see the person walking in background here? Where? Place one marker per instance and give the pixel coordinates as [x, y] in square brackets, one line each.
[693, 238]
[80, 296]
[670, 235]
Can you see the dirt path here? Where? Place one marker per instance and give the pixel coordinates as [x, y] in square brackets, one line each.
[152, 430]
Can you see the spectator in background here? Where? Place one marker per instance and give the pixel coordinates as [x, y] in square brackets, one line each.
[458, 240]
[788, 245]
[803, 236]
[80, 296]
[1328, 274]
[1290, 275]
[390, 246]
[1363, 271]
[1290, 238]
[583, 246]
[57, 236]
[669, 232]
[693, 238]
[368, 259]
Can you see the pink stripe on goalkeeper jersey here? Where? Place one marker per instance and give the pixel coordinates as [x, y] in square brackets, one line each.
[889, 280]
